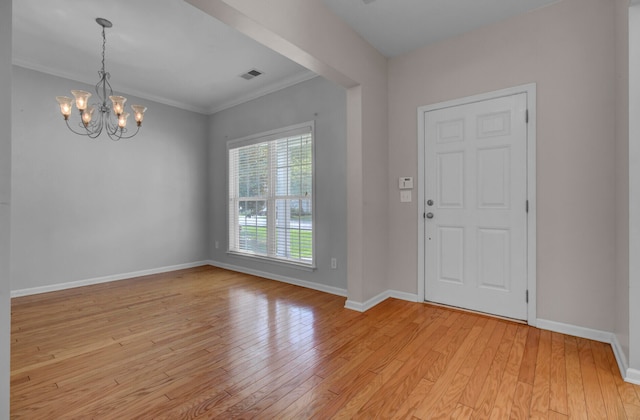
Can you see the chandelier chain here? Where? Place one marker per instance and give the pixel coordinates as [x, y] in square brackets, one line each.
[104, 47]
[104, 76]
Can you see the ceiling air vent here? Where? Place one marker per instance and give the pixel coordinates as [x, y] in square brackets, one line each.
[251, 74]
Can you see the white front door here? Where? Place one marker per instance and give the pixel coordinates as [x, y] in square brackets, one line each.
[475, 212]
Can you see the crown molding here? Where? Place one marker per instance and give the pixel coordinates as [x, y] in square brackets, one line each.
[273, 87]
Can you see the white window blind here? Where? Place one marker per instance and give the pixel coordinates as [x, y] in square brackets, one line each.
[271, 195]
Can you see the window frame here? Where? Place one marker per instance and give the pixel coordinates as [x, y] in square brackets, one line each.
[264, 137]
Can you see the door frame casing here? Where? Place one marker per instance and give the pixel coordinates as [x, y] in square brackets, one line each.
[530, 90]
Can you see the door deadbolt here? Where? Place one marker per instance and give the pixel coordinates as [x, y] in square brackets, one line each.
[429, 202]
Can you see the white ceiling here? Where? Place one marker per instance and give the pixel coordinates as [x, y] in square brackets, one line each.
[170, 52]
[395, 27]
[163, 50]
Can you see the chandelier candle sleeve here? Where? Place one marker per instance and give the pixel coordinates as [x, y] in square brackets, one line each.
[87, 114]
[138, 113]
[111, 116]
[122, 120]
[66, 104]
[82, 98]
[118, 104]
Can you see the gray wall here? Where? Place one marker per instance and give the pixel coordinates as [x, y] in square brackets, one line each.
[5, 208]
[86, 208]
[316, 99]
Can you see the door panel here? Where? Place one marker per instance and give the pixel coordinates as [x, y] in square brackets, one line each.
[451, 180]
[494, 259]
[493, 178]
[451, 254]
[476, 174]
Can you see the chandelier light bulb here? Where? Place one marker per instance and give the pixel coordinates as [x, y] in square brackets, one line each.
[66, 104]
[87, 114]
[82, 98]
[138, 113]
[118, 104]
[122, 120]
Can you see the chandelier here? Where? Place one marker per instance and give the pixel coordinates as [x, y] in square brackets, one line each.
[92, 124]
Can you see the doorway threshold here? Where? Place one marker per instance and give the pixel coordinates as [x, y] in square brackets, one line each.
[471, 311]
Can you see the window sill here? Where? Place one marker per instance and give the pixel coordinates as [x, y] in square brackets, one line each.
[282, 263]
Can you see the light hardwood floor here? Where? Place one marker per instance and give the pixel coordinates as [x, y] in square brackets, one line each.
[212, 343]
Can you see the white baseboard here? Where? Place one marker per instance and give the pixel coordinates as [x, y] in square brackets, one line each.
[105, 279]
[365, 306]
[569, 329]
[621, 358]
[308, 284]
[633, 376]
[628, 374]
[124, 276]
[409, 297]
[354, 306]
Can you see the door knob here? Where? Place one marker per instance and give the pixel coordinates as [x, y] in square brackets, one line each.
[429, 215]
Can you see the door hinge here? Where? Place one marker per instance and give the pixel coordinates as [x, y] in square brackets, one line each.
[526, 206]
[526, 296]
[526, 116]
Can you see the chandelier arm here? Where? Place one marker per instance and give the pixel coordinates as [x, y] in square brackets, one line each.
[87, 132]
[116, 133]
[110, 125]
[122, 136]
[97, 125]
[114, 137]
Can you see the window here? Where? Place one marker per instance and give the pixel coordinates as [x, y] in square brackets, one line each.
[271, 195]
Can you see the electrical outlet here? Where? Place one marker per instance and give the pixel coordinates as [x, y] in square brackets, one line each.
[217, 244]
[334, 263]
